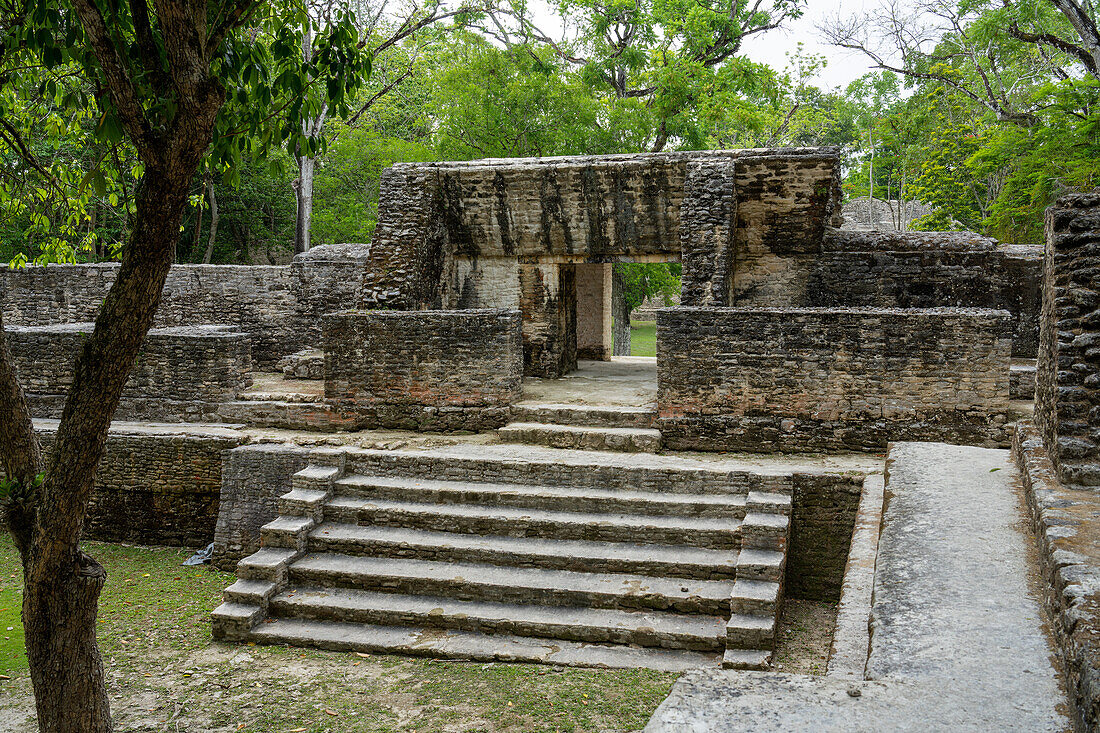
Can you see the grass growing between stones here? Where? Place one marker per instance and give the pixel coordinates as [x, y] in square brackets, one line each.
[166, 674]
[643, 338]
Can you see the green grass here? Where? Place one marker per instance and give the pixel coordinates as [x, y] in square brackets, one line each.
[164, 672]
[643, 338]
[147, 593]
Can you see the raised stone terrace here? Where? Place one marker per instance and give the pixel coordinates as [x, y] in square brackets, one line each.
[424, 446]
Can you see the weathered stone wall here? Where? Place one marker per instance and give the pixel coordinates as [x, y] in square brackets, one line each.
[801, 379]
[279, 307]
[439, 221]
[1064, 519]
[900, 270]
[1067, 394]
[548, 303]
[426, 370]
[181, 373]
[823, 514]
[784, 206]
[155, 485]
[252, 480]
[594, 337]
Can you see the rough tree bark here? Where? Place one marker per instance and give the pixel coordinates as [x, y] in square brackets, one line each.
[62, 584]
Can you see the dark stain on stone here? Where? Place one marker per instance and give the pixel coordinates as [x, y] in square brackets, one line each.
[454, 216]
[552, 212]
[503, 214]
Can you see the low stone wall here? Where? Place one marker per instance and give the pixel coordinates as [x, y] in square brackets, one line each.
[1065, 522]
[1067, 393]
[279, 306]
[181, 373]
[815, 379]
[854, 269]
[156, 485]
[823, 515]
[253, 478]
[424, 370]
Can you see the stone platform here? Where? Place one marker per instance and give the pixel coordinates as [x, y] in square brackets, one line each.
[500, 553]
[958, 637]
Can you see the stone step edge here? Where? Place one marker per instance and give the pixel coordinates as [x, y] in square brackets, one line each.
[477, 581]
[757, 564]
[725, 533]
[340, 637]
[758, 501]
[651, 629]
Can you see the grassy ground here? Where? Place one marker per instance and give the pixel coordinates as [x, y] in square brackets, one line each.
[165, 673]
[643, 338]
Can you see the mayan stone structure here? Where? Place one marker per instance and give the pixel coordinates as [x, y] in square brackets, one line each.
[1067, 398]
[569, 515]
[183, 373]
[779, 379]
[424, 370]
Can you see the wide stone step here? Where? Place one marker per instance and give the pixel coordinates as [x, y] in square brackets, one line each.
[583, 437]
[611, 416]
[479, 582]
[715, 533]
[575, 499]
[475, 646]
[597, 625]
[604, 557]
[536, 465]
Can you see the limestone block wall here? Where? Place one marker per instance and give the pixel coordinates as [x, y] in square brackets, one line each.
[900, 270]
[181, 373]
[548, 303]
[424, 370]
[1067, 395]
[594, 337]
[823, 514]
[439, 223]
[155, 485]
[808, 379]
[279, 307]
[253, 477]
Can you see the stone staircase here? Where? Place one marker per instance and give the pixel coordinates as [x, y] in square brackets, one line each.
[582, 427]
[574, 559]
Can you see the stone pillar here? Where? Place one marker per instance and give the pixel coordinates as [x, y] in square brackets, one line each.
[1067, 395]
[548, 301]
[707, 223]
[410, 255]
[594, 338]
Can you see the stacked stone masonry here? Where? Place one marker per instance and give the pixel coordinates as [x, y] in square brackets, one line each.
[424, 370]
[776, 379]
[155, 485]
[1063, 518]
[279, 307]
[1067, 395]
[524, 560]
[181, 374]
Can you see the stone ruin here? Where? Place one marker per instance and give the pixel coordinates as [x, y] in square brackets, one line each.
[544, 520]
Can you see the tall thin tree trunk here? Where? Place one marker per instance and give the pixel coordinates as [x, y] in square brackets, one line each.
[304, 195]
[620, 314]
[213, 221]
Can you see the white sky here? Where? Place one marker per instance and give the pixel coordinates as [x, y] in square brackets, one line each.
[843, 66]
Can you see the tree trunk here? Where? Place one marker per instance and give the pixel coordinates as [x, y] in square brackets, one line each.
[213, 221]
[620, 314]
[304, 196]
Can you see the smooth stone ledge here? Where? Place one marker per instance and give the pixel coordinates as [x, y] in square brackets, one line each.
[957, 642]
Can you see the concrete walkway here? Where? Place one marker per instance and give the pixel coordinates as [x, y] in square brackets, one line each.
[957, 638]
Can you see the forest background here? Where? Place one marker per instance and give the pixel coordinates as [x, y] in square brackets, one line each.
[984, 111]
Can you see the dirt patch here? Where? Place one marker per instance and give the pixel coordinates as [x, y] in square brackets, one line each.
[804, 637]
